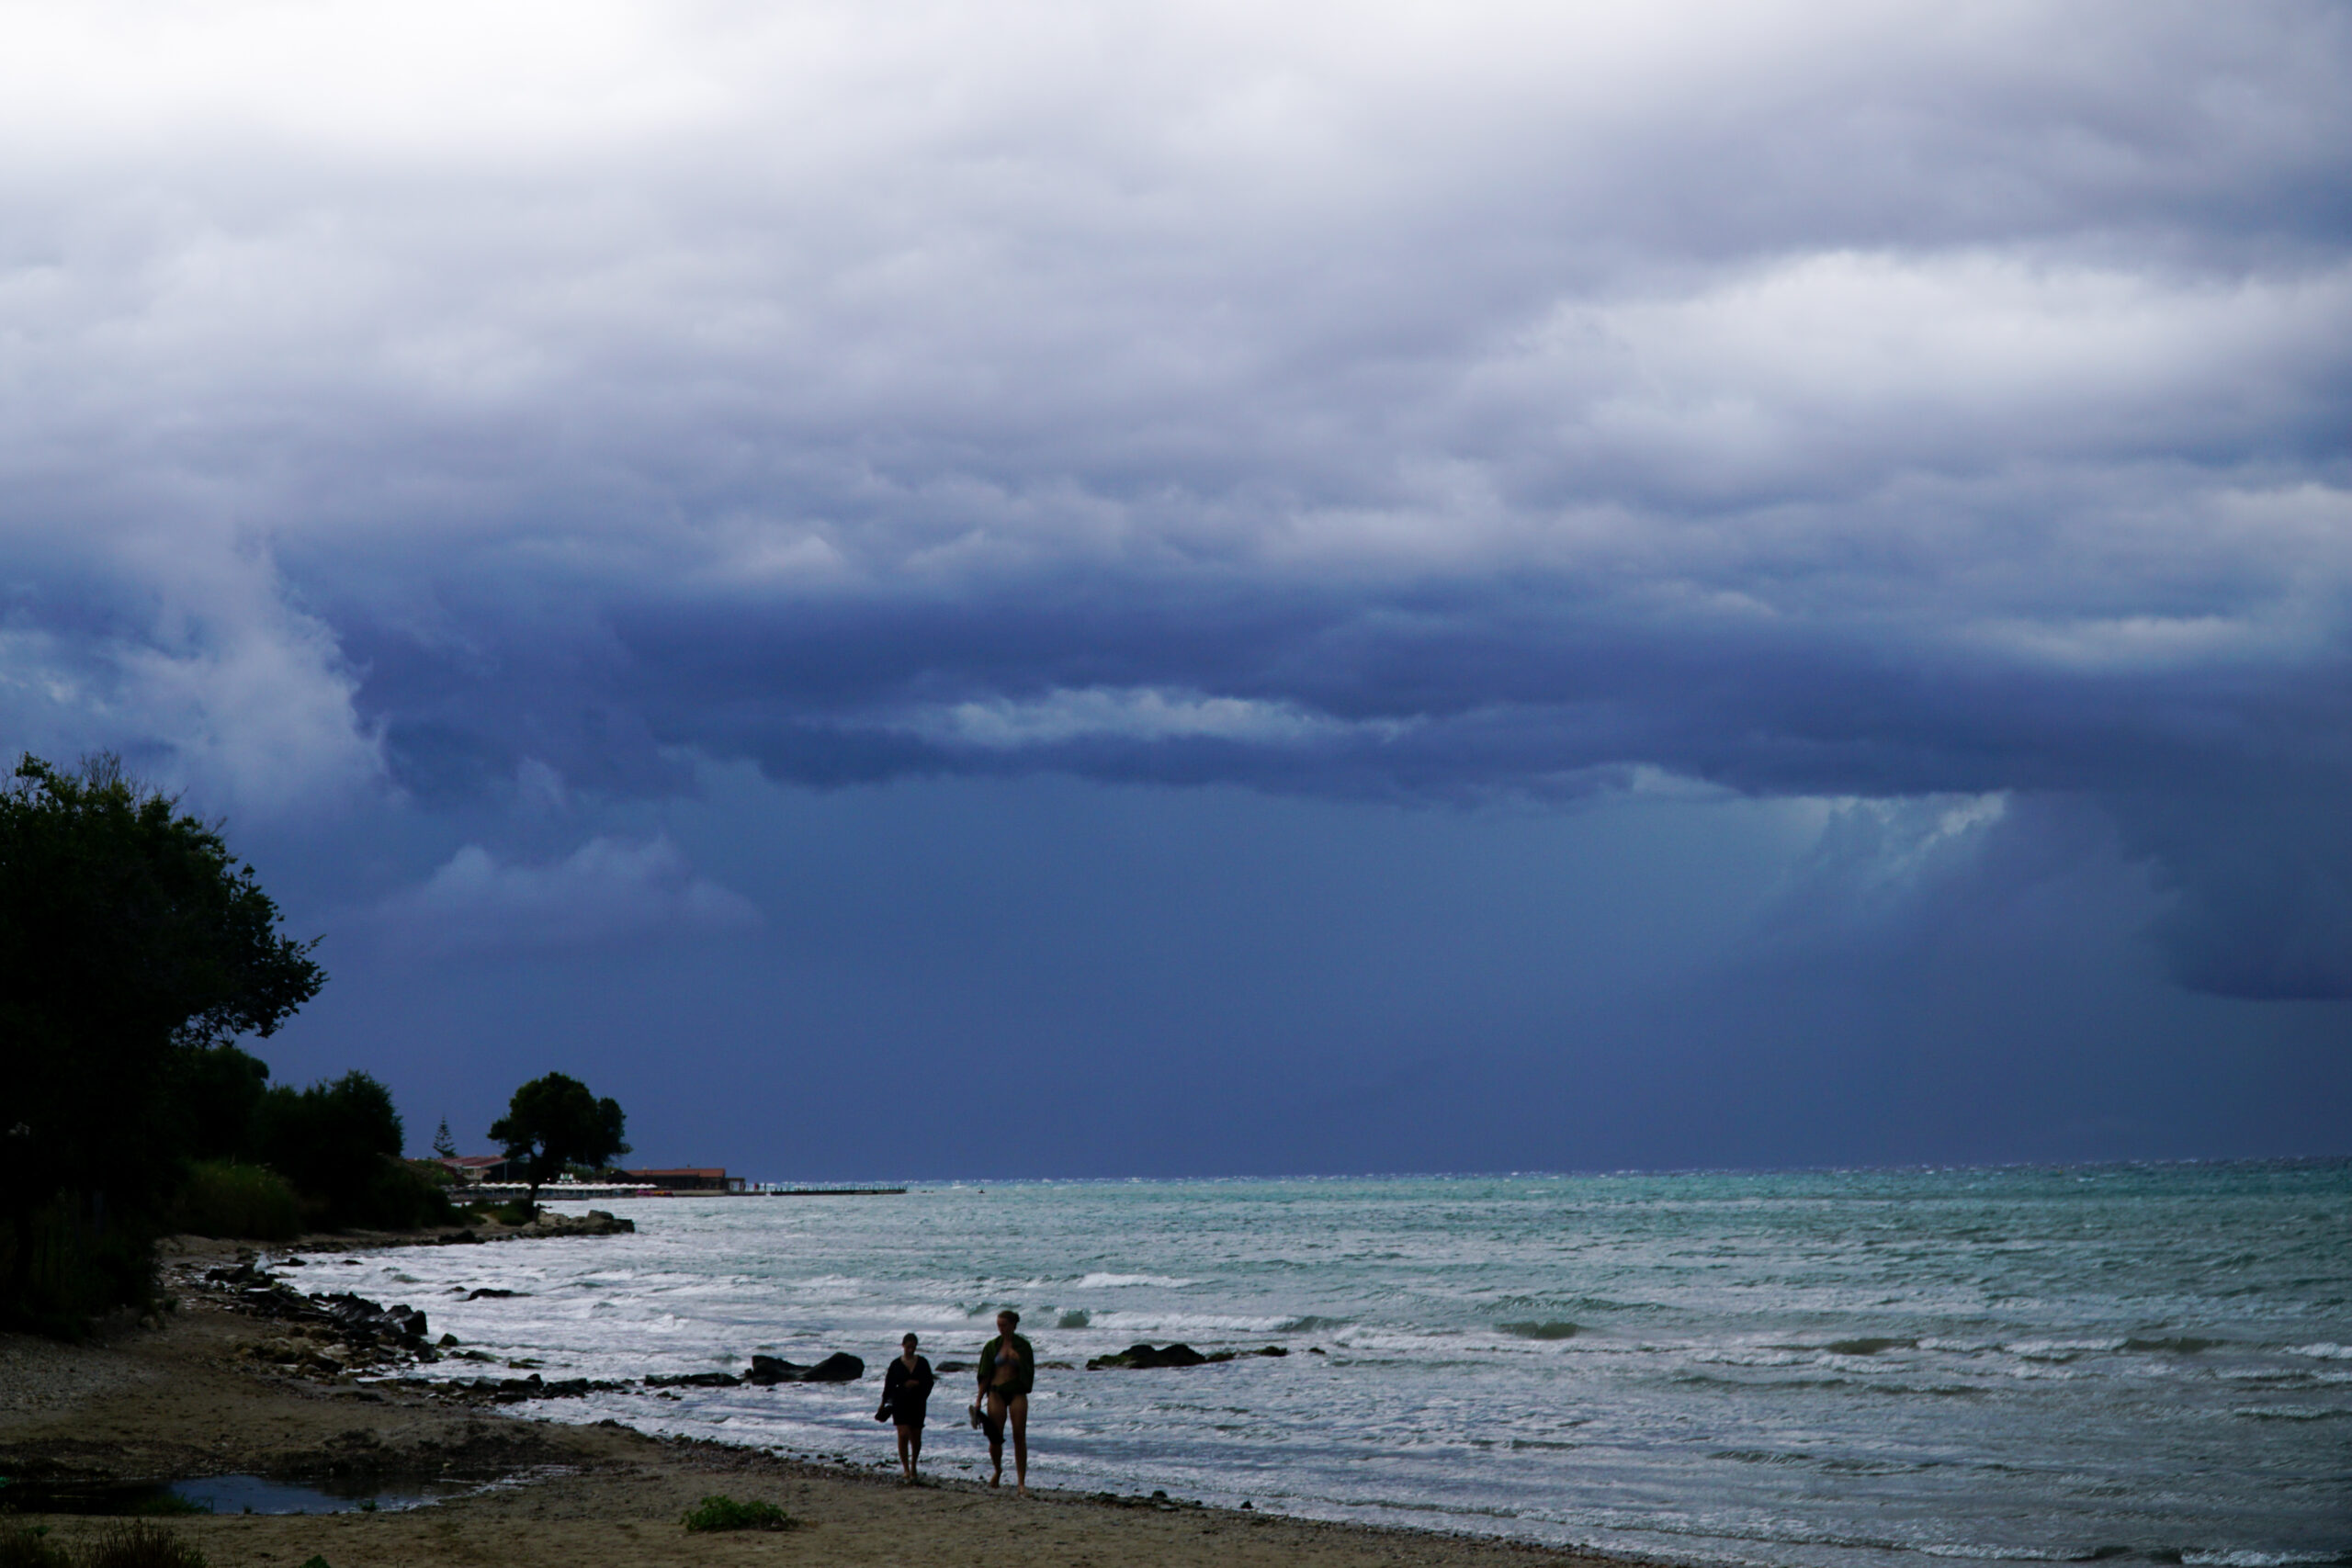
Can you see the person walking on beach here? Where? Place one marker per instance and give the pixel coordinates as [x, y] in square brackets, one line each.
[1008, 1365]
[906, 1396]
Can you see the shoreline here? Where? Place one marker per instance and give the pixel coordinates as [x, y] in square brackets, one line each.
[188, 1398]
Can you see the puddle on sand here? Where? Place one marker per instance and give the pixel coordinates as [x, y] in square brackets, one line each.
[260, 1494]
[216, 1494]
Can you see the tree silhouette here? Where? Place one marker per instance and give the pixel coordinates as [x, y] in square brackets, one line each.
[133, 948]
[553, 1122]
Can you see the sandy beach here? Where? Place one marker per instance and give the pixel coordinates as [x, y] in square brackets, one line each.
[188, 1397]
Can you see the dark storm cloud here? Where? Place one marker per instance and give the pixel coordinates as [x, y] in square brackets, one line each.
[1793, 401]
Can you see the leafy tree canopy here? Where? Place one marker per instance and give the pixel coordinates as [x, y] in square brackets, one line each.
[130, 939]
[553, 1122]
[133, 948]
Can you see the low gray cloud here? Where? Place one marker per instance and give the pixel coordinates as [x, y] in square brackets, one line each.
[1786, 399]
[604, 891]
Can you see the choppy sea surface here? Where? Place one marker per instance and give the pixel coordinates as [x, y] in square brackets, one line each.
[1813, 1368]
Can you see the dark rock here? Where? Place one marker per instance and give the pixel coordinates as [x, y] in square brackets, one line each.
[839, 1367]
[493, 1293]
[694, 1380]
[363, 1322]
[944, 1368]
[1143, 1356]
[769, 1371]
[595, 1222]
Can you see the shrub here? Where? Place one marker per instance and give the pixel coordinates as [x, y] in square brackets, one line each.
[401, 1198]
[726, 1514]
[139, 1544]
[67, 1264]
[329, 1140]
[28, 1546]
[245, 1202]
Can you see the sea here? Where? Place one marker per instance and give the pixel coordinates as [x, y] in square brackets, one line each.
[1818, 1370]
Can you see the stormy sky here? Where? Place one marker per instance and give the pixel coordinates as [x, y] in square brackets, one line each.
[1026, 589]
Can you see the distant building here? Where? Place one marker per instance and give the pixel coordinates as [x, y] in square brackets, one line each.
[691, 1179]
[485, 1167]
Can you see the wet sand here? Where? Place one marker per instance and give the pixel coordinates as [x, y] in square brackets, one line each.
[185, 1398]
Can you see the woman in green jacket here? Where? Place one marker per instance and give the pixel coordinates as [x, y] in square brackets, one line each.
[1008, 1365]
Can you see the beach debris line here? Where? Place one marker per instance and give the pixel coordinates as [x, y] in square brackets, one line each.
[1143, 1356]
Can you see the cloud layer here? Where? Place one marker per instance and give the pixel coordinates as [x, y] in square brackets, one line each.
[1798, 399]
[603, 891]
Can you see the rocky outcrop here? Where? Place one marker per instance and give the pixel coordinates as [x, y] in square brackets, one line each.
[1143, 1356]
[325, 1334]
[595, 1222]
[509, 1391]
[354, 1318]
[839, 1367]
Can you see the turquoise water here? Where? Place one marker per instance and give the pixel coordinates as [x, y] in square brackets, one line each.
[2150, 1362]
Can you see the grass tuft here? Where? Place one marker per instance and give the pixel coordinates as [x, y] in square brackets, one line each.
[139, 1544]
[28, 1546]
[726, 1514]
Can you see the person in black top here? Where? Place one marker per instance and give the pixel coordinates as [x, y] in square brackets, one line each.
[906, 1391]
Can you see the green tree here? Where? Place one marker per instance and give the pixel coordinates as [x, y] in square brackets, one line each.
[333, 1141]
[554, 1122]
[444, 1144]
[132, 943]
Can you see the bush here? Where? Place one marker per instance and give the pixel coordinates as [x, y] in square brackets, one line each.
[67, 1264]
[726, 1514]
[330, 1141]
[401, 1198]
[139, 1544]
[29, 1547]
[246, 1202]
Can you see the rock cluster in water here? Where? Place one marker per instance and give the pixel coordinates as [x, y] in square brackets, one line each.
[839, 1367]
[1143, 1356]
[328, 1332]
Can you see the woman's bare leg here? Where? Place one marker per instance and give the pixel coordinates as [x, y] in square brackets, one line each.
[995, 1424]
[909, 1449]
[1018, 1408]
